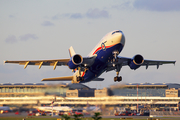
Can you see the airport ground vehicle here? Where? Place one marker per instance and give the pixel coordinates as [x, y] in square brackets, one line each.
[125, 113]
[31, 114]
[77, 112]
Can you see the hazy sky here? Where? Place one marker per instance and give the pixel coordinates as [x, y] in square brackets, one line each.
[45, 29]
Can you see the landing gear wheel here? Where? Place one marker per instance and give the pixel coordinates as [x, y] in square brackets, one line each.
[80, 78]
[117, 79]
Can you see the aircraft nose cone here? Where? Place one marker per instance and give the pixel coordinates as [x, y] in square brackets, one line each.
[120, 38]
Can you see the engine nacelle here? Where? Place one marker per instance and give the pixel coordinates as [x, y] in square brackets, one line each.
[75, 61]
[136, 62]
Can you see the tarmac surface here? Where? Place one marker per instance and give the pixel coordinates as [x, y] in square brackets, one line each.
[24, 114]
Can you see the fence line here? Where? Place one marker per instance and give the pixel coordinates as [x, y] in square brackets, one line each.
[165, 113]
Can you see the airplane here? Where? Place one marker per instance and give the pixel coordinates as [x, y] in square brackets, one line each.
[103, 58]
[92, 108]
[54, 108]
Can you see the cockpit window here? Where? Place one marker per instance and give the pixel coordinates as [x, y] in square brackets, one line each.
[116, 32]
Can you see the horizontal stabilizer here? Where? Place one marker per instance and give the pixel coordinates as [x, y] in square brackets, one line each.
[66, 78]
[98, 79]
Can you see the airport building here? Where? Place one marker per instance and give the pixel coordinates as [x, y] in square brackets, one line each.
[144, 89]
[156, 95]
[41, 89]
[32, 89]
[173, 92]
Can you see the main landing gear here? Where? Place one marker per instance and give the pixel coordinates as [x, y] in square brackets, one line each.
[80, 79]
[117, 78]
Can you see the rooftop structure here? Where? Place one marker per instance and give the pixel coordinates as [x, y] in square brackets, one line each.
[37, 89]
[144, 89]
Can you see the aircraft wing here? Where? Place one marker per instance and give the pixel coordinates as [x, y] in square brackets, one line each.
[88, 61]
[54, 62]
[124, 61]
[156, 62]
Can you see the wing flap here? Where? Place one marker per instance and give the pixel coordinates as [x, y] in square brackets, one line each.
[66, 78]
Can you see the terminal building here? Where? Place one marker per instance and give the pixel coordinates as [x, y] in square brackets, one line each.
[32, 89]
[41, 89]
[144, 89]
[80, 90]
[156, 95]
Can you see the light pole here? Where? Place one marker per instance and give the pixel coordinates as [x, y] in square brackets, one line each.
[137, 98]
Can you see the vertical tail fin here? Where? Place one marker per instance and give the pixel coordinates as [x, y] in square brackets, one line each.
[71, 51]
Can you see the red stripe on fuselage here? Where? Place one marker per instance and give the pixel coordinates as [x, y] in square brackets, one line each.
[99, 48]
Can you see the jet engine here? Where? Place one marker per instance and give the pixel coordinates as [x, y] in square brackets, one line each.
[136, 62]
[75, 61]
